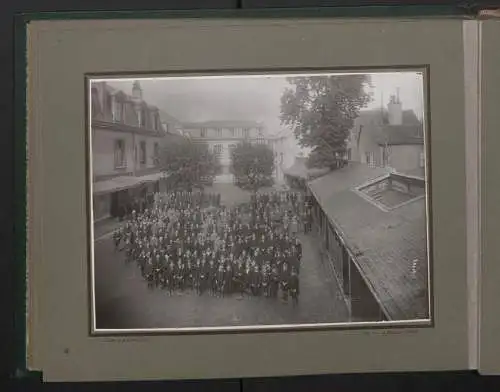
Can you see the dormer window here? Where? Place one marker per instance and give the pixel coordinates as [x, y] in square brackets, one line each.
[117, 107]
[95, 103]
[143, 117]
[107, 104]
[157, 124]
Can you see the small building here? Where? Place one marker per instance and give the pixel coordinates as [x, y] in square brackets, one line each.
[390, 137]
[372, 225]
[127, 134]
[297, 175]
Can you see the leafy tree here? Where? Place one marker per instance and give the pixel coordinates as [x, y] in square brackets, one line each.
[252, 165]
[321, 111]
[189, 164]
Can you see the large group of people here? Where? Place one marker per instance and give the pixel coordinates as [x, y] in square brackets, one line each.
[190, 241]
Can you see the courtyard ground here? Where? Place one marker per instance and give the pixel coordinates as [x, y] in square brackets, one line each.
[124, 301]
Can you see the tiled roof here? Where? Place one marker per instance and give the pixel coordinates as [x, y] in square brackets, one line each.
[384, 243]
[129, 107]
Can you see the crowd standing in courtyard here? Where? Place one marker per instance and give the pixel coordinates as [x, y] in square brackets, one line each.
[190, 241]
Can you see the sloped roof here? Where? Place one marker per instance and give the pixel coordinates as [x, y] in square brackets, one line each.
[123, 182]
[129, 107]
[377, 128]
[400, 135]
[384, 243]
[167, 117]
[381, 116]
[299, 169]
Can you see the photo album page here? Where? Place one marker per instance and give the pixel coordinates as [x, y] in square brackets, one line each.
[254, 197]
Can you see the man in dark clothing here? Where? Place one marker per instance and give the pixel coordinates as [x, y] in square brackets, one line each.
[294, 287]
[284, 280]
[220, 280]
[274, 282]
[228, 279]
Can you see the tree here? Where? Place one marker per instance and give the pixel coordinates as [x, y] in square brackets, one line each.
[189, 164]
[321, 111]
[252, 165]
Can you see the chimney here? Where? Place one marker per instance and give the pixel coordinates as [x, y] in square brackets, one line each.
[137, 92]
[395, 110]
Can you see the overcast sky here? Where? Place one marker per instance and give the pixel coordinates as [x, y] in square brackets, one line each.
[255, 98]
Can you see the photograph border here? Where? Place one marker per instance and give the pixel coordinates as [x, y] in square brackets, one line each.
[272, 328]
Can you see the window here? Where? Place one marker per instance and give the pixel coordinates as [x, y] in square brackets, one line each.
[156, 154]
[143, 118]
[95, 104]
[281, 157]
[117, 110]
[218, 149]
[422, 159]
[219, 132]
[232, 132]
[108, 106]
[157, 122]
[203, 132]
[120, 154]
[246, 133]
[369, 159]
[139, 117]
[359, 134]
[142, 152]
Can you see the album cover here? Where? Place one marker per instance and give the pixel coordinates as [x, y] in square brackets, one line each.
[489, 322]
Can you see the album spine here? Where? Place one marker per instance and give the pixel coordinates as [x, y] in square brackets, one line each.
[22, 329]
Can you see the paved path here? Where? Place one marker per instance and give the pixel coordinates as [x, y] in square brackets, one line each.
[229, 194]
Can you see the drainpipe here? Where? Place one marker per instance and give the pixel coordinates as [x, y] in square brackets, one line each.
[134, 155]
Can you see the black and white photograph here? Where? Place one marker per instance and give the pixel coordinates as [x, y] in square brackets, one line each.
[259, 201]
